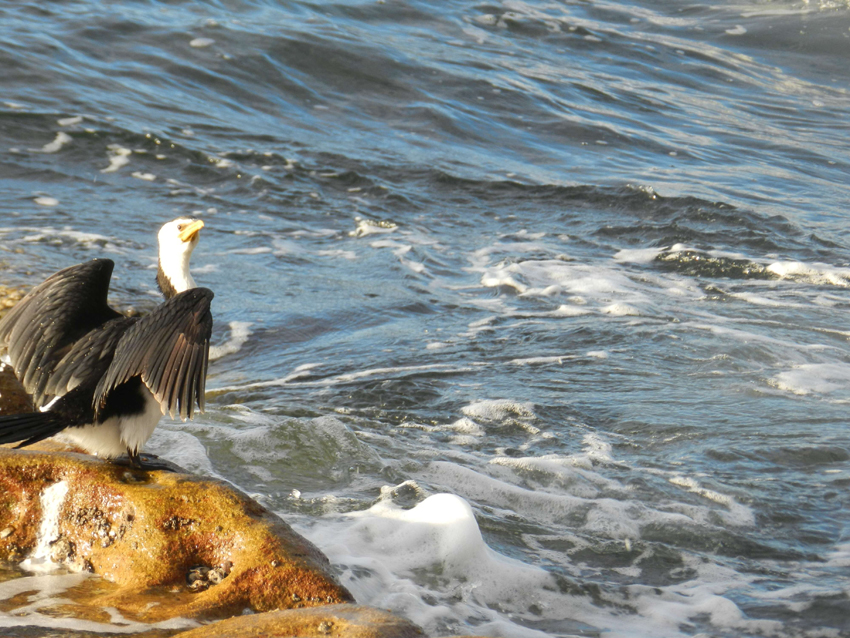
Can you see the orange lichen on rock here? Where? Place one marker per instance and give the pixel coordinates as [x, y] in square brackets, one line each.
[332, 621]
[213, 549]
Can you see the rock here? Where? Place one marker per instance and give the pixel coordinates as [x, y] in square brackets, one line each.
[9, 297]
[349, 621]
[212, 550]
[13, 398]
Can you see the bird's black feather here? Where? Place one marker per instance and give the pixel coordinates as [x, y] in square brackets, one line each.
[89, 358]
[70, 410]
[44, 326]
[159, 348]
[29, 428]
[84, 363]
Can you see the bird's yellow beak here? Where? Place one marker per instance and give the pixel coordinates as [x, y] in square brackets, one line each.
[191, 231]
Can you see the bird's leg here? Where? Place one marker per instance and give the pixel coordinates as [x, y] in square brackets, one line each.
[135, 461]
[146, 462]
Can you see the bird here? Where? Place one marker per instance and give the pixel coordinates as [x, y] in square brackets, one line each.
[98, 378]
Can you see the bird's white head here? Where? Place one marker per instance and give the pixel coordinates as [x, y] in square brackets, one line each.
[177, 240]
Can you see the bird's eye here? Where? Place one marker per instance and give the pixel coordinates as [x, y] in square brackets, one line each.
[179, 226]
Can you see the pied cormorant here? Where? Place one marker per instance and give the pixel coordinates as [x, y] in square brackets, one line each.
[99, 378]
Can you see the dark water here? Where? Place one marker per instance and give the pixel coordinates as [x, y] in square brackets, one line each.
[582, 266]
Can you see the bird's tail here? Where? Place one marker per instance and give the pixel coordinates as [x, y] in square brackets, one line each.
[30, 428]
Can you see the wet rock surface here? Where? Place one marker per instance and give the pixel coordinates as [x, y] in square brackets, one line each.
[215, 551]
[13, 397]
[350, 621]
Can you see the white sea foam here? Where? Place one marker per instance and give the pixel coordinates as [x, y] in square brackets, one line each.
[620, 310]
[45, 586]
[46, 201]
[572, 503]
[284, 247]
[468, 431]
[480, 325]
[638, 255]
[537, 505]
[200, 43]
[538, 361]
[570, 311]
[574, 473]
[257, 250]
[300, 374]
[118, 157]
[821, 378]
[173, 443]
[70, 121]
[240, 331]
[344, 254]
[432, 565]
[56, 235]
[382, 549]
[668, 608]
[482, 258]
[390, 373]
[737, 515]
[56, 145]
[610, 289]
[148, 177]
[840, 557]
[741, 335]
[371, 227]
[763, 300]
[499, 410]
[812, 273]
[206, 268]
[466, 426]
[816, 273]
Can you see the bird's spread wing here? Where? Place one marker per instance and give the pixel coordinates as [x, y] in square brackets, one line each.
[43, 327]
[88, 359]
[169, 349]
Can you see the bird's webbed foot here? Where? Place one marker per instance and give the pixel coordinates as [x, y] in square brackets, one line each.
[145, 462]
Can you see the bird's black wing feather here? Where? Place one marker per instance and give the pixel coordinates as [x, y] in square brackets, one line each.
[70, 410]
[88, 359]
[30, 428]
[169, 350]
[43, 327]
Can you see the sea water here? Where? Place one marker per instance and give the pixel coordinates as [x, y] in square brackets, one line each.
[531, 315]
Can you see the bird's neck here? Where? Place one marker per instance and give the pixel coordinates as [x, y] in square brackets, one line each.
[173, 275]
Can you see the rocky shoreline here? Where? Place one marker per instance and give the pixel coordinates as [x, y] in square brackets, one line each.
[173, 545]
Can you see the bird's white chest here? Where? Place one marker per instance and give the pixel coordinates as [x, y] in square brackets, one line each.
[115, 435]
